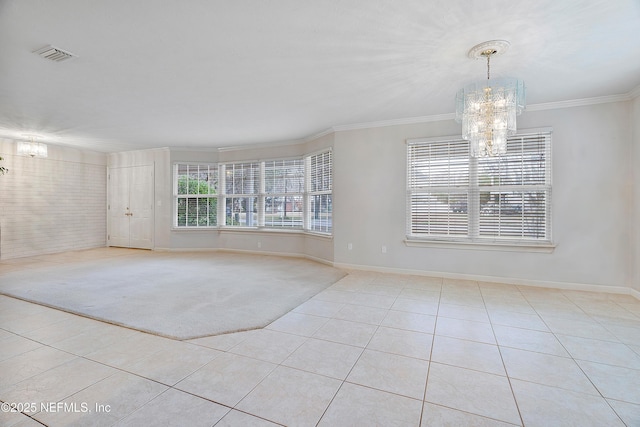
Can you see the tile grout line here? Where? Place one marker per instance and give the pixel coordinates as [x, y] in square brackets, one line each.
[347, 375]
[573, 358]
[433, 339]
[378, 326]
[116, 368]
[504, 366]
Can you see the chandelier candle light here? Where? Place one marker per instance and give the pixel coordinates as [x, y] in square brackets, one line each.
[488, 109]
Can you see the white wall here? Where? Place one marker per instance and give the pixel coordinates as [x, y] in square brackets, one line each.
[51, 204]
[59, 203]
[590, 216]
[634, 217]
[591, 219]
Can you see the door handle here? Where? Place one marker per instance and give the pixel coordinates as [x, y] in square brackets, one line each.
[128, 213]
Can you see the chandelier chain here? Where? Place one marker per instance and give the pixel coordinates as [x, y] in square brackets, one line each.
[488, 66]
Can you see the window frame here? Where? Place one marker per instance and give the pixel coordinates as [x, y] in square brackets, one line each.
[260, 194]
[320, 192]
[299, 163]
[255, 181]
[472, 208]
[177, 196]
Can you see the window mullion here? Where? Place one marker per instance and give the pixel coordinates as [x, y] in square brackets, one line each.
[261, 194]
[473, 196]
[306, 214]
[222, 200]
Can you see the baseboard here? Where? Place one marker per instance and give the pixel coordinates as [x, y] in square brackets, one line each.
[248, 252]
[282, 254]
[319, 260]
[186, 249]
[511, 281]
[480, 278]
[253, 252]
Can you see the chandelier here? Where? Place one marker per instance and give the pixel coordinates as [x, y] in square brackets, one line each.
[488, 109]
[32, 148]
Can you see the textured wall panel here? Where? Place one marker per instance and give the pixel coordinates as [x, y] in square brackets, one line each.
[51, 205]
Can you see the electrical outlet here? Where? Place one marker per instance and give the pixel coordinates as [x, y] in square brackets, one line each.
[384, 249]
[259, 245]
[350, 246]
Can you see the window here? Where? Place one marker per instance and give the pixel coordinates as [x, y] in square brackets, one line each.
[454, 197]
[195, 189]
[293, 194]
[319, 189]
[241, 184]
[283, 193]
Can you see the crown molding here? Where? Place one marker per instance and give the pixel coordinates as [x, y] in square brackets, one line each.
[318, 135]
[579, 102]
[271, 144]
[451, 116]
[394, 122]
[437, 118]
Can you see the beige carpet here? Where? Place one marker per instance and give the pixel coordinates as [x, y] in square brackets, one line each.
[177, 295]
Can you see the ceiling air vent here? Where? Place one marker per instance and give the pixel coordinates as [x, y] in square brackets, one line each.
[54, 54]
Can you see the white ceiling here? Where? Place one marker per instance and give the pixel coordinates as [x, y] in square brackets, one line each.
[219, 73]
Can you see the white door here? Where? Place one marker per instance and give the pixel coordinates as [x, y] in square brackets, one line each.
[131, 207]
[118, 207]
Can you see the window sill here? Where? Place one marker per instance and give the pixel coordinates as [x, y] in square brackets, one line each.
[240, 229]
[256, 230]
[484, 246]
[266, 230]
[194, 229]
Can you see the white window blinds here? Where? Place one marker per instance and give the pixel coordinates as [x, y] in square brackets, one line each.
[283, 193]
[438, 188]
[242, 185]
[319, 192]
[292, 194]
[452, 196]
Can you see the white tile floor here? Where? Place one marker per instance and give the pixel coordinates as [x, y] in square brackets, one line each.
[373, 349]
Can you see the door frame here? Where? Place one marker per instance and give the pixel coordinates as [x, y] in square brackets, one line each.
[153, 203]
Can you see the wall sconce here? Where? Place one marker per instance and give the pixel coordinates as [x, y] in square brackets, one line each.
[32, 148]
